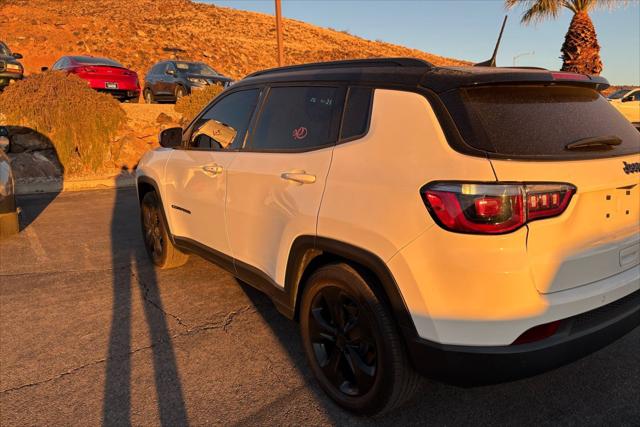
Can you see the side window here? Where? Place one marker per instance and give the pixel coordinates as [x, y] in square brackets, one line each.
[298, 118]
[156, 69]
[357, 113]
[635, 96]
[225, 124]
[169, 66]
[59, 64]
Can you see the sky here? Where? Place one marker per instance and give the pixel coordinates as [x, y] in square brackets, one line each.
[468, 29]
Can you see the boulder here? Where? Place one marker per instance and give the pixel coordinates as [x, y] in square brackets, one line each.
[34, 165]
[164, 118]
[28, 142]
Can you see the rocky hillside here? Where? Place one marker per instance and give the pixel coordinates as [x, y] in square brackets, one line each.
[137, 32]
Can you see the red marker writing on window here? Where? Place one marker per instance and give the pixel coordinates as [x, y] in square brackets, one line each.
[300, 133]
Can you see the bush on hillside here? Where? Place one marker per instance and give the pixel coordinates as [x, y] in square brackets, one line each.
[80, 122]
[190, 106]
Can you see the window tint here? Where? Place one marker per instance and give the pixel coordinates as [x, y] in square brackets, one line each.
[224, 125]
[157, 69]
[538, 121]
[298, 118]
[357, 111]
[90, 60]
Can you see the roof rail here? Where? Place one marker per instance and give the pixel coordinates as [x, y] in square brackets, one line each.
[351, 63]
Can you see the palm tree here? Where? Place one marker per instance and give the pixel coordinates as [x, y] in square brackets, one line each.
[580, 50]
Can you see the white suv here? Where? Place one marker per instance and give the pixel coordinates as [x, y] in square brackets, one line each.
[474, 224]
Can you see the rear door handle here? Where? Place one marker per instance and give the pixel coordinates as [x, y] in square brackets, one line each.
[212, 170]
[301, 177]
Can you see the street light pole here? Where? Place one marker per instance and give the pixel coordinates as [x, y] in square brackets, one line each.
[522, 54]
[279, 33]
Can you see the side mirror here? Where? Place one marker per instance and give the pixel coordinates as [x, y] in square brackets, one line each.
[17, 55]
[44, 69]
[219, 132]
[171, 138]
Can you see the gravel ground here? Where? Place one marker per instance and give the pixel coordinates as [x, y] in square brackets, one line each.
[91, 334]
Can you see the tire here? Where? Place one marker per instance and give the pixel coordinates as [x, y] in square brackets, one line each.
[180, 92]
[148, 97]
[159, 247]
[345, 328]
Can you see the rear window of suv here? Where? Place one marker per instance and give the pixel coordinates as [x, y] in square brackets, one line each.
[536, 121]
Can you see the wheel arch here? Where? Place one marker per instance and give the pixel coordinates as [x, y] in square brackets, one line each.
[308, 253]
[144, 185]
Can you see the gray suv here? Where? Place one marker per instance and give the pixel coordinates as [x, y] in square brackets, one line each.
[171, 80]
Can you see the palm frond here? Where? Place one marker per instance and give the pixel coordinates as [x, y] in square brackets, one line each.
[536, 10]
[539, 10]
[603, 4]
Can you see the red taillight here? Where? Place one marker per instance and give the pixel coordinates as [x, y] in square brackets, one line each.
[87, 70]
[538, 333]
[493, 208]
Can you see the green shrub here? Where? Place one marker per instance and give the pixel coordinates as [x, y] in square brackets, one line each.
[80, 122]
[190, 106]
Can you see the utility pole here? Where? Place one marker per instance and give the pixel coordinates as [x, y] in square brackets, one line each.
[279, 33]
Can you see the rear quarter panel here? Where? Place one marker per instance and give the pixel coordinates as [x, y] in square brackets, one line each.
[372, 198]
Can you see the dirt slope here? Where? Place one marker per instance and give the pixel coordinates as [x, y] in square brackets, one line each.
[135, 32]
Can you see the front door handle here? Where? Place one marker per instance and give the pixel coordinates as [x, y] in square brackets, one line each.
[301, 177]
[212, 170]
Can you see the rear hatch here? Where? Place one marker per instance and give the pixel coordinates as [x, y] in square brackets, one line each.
[562, 133]
[106, 73]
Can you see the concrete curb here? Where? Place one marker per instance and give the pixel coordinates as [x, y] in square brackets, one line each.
[52, 185]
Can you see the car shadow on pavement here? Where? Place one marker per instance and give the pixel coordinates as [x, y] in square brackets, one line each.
[132, 270]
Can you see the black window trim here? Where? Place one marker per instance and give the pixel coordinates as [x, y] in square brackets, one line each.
[341, 85]
[186, 137]
[342, 140]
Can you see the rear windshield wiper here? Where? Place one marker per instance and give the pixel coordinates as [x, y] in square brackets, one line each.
[598, 143]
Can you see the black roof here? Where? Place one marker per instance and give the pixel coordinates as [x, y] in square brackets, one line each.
[416, 73]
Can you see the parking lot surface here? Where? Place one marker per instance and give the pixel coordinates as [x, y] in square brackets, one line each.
[91, 333]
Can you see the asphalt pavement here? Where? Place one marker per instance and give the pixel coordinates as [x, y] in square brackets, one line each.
[91, 333]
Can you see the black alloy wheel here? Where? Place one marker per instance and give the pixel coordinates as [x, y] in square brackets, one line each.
[152, 231]
[352, 343]
[148, 96]
[342, 340]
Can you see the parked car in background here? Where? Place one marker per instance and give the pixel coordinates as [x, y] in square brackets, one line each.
[9, 223]
[10, 69]
[444, 220]
[103, 75]
[627, 101]
[171, 80]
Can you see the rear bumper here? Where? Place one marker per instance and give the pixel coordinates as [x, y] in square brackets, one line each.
[578, 336]
[6, 78]
[121, 94]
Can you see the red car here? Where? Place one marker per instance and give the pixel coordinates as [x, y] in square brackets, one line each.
[103, 75]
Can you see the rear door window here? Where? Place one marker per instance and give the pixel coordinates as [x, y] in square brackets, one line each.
[298, 118]
[538, 121]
